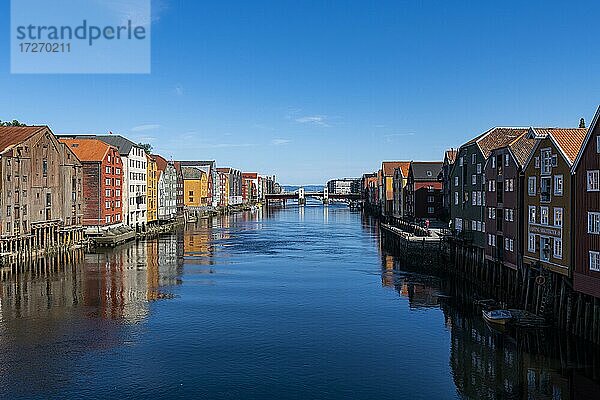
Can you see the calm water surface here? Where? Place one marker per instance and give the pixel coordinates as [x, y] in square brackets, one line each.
[297, 304]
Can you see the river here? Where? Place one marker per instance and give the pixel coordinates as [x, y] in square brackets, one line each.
[293, 304]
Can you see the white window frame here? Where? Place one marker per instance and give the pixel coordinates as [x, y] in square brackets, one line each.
[558, 185]
[593, 181]
[455, 198]
[558, 216]
[531, 185]
[558, 248]
[506, 159]
[473, 158]
[474, 198]
[532, 214]
[544, 215]
[531, 243]
[594, 260]
[473, 179]
[478, 168]
[593, 223]
[493, 162]
[456, 181]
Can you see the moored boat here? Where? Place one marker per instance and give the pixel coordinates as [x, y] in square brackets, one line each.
[499, 317]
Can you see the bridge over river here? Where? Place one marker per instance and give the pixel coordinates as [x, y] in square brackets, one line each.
[300, 195]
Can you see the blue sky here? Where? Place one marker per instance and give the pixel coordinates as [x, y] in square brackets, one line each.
[312, 90]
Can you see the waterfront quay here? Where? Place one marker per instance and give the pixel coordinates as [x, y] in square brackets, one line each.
[514, 210]
[61, 192]
[296, 303]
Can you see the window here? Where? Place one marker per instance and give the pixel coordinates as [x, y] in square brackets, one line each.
[531, 186]
[473, 225]
[558, 185]
[545, 183]
[492, 186]
[506, 160]
[595, 261]
[558, 216]
[474, 198]
[474, 179]
[546, 161]
[108, 193]
[456, 198]
[458, 224]
[554, 160]
[8, 209]
[597, 144]
[594, 222]
[473, 158]
[493, 162]
[593, 181]
[506, 244]
[537, 162]
[479, 200]
[532, 214]
[107, 170]
[430, 199]
[430, 210]
[511, 244]
[456, 181]
[107, 219]
[107, 181]
[479, 226]
[460, 161]
[107, 205]
[544, 215]
[544, 248]
[492, 213]
[557, 248]
[45, 168]
[479, 168]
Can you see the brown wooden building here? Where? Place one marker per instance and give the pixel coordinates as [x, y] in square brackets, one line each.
[586, 189]
[548, 198]
[102, 181]
[40, 191]
[504, 201]
[424, 197]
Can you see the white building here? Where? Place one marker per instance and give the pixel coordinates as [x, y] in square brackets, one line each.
[134, 180]
[167, 189]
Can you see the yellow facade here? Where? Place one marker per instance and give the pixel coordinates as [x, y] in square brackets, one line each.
[195, 191]
[151, 190]
[226, 191]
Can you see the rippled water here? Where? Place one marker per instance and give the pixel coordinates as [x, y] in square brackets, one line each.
[297, 304]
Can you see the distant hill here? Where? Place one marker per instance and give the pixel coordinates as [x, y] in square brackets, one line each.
[308, 188]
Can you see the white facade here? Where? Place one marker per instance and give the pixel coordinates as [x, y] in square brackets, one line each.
[134, 187]
[167, 193]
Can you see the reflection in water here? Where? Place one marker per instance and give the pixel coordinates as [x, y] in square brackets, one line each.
[284, 304]
[490, 364]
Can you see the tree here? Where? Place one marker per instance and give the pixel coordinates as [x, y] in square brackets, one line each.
[14, 122]
[147, 147]
[582, 123]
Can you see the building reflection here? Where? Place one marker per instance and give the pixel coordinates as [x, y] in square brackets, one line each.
[489, 364]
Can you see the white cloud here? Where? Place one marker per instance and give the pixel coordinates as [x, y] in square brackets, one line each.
[144, 128]
[320, 120]
[279, 141]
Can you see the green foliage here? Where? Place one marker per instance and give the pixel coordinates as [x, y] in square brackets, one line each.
[14, 122]
[147, 147]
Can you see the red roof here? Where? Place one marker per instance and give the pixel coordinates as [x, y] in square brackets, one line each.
[388, 167]
[569, 140]
[11, 136]
[250, 175]
[88, 149]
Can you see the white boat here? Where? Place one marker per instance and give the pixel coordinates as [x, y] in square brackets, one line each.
[500, 317]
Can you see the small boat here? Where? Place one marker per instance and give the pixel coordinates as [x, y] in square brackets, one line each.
[499, 317]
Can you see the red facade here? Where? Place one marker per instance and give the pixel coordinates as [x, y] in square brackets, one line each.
[586, 276]
[102, 181]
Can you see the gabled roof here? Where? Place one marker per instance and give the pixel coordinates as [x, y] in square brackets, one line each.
[161, 163]
[225, 170]
[450, 155]
[250, 175]
[388, 167]
[567, 140]
[522, 148]
[10, 136]
[426, 170]
[90, 150]
[591, 129]
[496, 137]
[192, 173]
